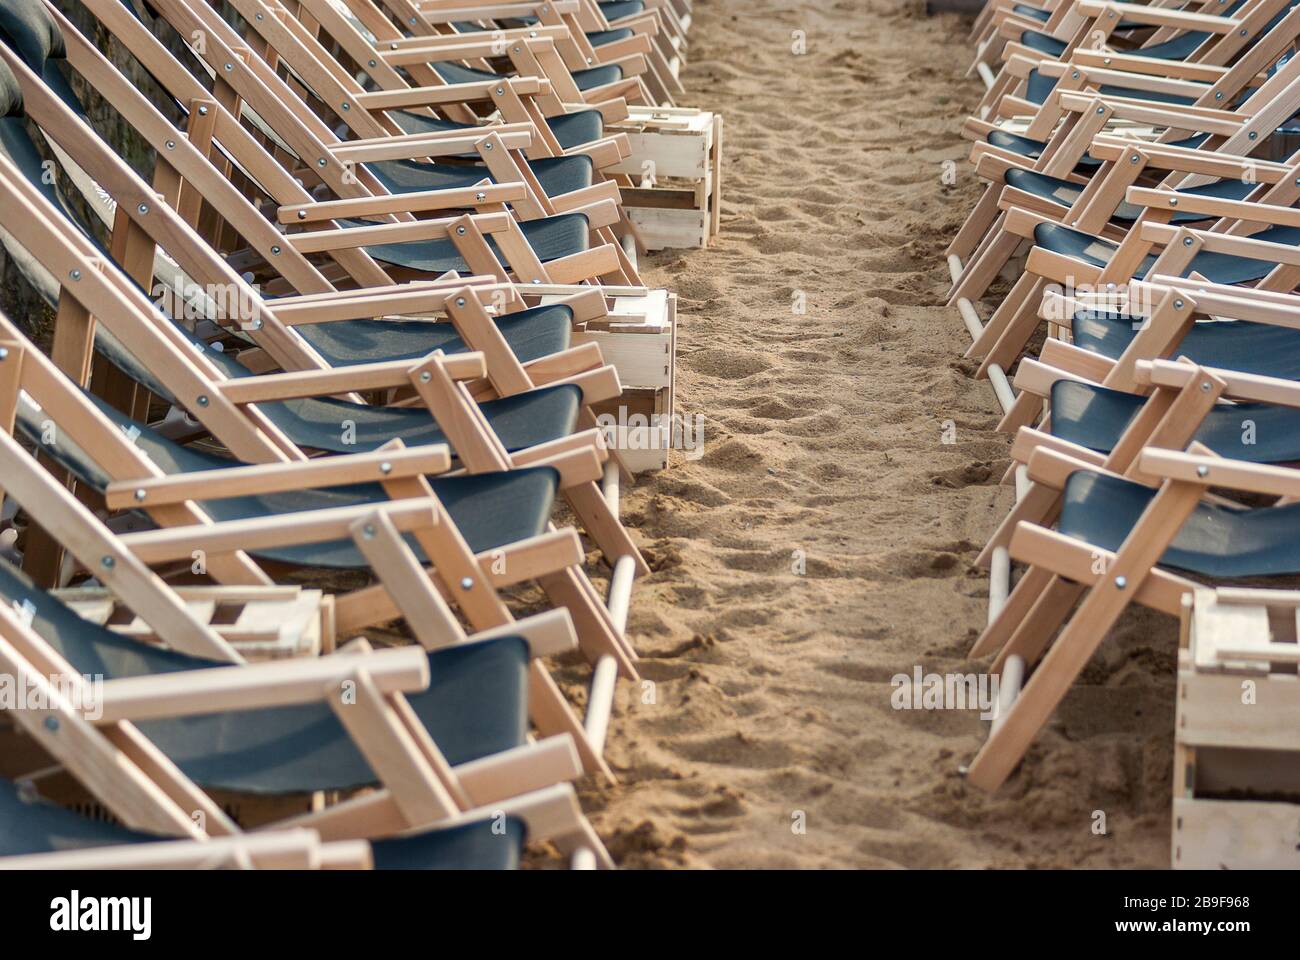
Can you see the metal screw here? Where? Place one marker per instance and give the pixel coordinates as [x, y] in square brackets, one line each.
[229, 67]
[321, 162]
[107, 563]
[1134, 158]
[385, 468]
[139, 495]
[75, 274]
[203, 400]
[368, 531]
[1253, 135]
[1075, 75]
[51, 723]
[1205, 387]
[1121, 583]
[302, 214]
[1202, 471]
[203, 111]
[347, 106]
[143, 208]
[1178, 304]
[487, 146]
[275, 250]
[371, 63]
[460, 301]
[256, 324]
[480, 195]
[425, 376]
[171, 144]
[1242, 32]
[1173, 201]
[1101, 109]
[460, 231]
[500, 90]
[466, 583]
[1187, 241]
[516, 49]
[536, 280]
[4, 353]
[1219, 95]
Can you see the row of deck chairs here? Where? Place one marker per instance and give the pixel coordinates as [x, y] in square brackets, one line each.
[312, 346]
[1146, 352]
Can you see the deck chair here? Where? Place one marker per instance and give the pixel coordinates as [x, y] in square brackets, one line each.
[1118, 541]
[160, 720]
[264, 504]
[317, 423]
[1080, 260]
[632, 68]
[370, 45]
[1027, 79]
[553, 186]
[1056, 183]
[545, 250]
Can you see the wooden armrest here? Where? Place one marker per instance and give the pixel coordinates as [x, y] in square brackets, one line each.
[1206, 471]
[1236, 209]
[1156, 16]
[450, 143]
[450, 93]
[263, 478]
[380, 375]
[456, 198]
[343, 238]
[167, 544]
[256, 686]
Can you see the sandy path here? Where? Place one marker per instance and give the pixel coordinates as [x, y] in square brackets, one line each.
[824, 441]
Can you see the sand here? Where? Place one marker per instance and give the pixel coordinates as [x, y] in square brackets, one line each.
[826, 540]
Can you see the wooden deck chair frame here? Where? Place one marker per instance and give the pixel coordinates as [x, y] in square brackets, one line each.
[243, 77]
[504, 376]
[471, 582]
[145, 790]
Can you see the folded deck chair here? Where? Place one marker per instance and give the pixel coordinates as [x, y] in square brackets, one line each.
[296, 513]
[1116, 542]
[553, 186]
[153, 722]
[545, 249]
[1053, 185]
[633, 72]
[1028, 79]
[526, 418]
[602, 68]
[1081, 260]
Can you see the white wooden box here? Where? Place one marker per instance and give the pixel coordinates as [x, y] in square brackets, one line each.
[1236, 798]
[640, 339]
[676, 172]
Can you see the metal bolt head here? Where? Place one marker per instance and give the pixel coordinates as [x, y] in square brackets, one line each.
[275, 250]
[425, 376]
[488, 145]
[139, 494]
[229, 67]
[1074, 75]
[346, 106]
[107, 562]
[1121, 583]
[1187, 241]
[1173, 201]
[1134, 158]
[385, 468]
[368, 531]
[143, 208]
[75, 274]
[1178, 304]
[171, 144]
[1101, 110]
[203, 111]
[1205, 386]
[466, 583]
[480, 195]
[4, 353]
[1219, 95]
[371, 63]
[302, 214]
[500, 90]
[1253, 135]
[460, 231]
[1202, 471]
[460, 301]
[321, 162]
[202, 400]
[51, 723]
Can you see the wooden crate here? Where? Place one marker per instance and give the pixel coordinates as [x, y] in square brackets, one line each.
[1236, 797]
[261, 623]
[676, 169]
[639, 337]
